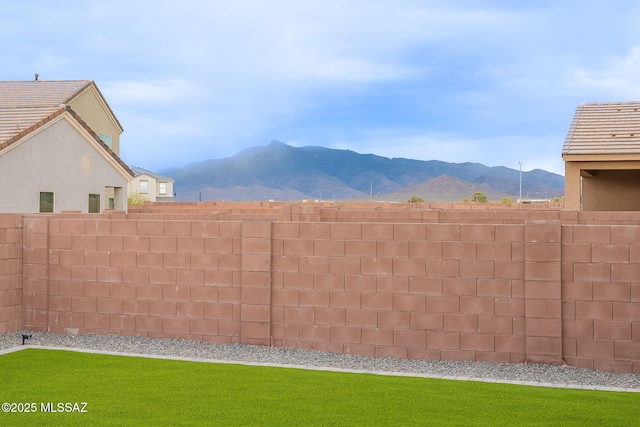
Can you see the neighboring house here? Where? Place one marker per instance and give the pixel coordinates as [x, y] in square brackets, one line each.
[152, 186]
[59, 149]
[602, 158]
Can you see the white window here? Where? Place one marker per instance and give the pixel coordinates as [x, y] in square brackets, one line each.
[163, 188]
[144, 187]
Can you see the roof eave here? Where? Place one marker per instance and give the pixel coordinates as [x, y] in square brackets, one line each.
[605, 157]
[31, 128]
[95, 136]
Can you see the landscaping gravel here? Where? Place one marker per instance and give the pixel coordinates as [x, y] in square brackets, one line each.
[534, 374]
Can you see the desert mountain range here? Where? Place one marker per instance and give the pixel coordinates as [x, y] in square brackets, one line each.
[281, 172]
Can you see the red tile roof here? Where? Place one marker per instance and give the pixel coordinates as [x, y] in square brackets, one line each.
[27, 105]
[604, 128]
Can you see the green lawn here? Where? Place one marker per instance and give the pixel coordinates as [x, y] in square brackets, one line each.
[122, 390]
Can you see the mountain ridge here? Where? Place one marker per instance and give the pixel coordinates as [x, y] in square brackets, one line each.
[282, 172]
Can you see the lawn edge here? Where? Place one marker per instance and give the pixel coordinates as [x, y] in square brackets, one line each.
[322, 368]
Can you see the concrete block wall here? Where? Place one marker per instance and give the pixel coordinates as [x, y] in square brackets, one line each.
[435, 291]
[601, 297]
[426, 212]
[154, 278]
[533, 285]
[10, 272]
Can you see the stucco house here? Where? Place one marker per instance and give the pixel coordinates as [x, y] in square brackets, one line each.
[152, 186]
[59, 149]
[602, 158]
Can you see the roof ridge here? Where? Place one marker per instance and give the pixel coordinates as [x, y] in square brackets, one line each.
[79, 91]
[26, 107]
[140, 170]
[45, 81]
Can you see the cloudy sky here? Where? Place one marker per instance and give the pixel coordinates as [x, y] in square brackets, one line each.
[492, 82]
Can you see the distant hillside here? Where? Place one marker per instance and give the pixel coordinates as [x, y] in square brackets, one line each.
[281, 172]
[444, 189]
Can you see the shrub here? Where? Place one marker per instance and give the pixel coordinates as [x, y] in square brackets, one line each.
[136, 199]
[479, 197]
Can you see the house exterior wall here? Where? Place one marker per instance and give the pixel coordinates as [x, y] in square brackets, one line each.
[611, 183]
[94, 112]
[503, 285]
[152, 185]
[572, 185]
[56, 159]
[611, 190]
[153, 188]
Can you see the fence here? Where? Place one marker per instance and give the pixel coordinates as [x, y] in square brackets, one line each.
[540, 285]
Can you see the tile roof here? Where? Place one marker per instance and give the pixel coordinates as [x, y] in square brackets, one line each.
[604, 128]
[140, 171]
[28, 105]
[24, 104]
[39, 93]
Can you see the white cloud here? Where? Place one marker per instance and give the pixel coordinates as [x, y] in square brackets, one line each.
[617, 78]
[453, 80]
[147, 93]
[357, 70]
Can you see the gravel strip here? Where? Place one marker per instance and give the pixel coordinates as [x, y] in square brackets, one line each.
[533, 374]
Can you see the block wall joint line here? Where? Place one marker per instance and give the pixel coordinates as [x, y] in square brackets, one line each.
[48, 220]
[270, 328]
[543, 284]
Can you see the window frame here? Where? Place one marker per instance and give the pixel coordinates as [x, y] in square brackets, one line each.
[106, 139]
[45, 203]
[94, 196]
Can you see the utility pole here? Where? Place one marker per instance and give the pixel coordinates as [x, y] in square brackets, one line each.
[520, 199]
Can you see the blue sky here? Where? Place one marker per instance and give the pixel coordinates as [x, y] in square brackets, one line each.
[492, 82]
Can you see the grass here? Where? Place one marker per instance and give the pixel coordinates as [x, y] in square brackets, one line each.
[122, 390]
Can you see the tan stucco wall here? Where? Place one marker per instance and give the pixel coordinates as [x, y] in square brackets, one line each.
[56, 159]
[92, 110]
[602, 185]
[611, 190]
[572, 185]
[153, 188]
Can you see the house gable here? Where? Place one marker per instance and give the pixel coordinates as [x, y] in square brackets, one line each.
[94, 110]
[26, 103]
[152, 186]
[47, 147]
[65, 158]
